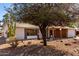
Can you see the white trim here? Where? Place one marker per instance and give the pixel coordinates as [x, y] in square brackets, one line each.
[32, 37]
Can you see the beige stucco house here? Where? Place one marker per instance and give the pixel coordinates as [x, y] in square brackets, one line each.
[29, 31]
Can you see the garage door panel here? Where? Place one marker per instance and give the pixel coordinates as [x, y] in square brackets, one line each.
[57, 33]
[64, 33]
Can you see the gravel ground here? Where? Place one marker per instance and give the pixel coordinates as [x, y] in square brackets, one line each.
[65, 47]
[33, 50]
[70, 46]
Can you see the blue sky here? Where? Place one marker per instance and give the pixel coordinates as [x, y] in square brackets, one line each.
[2, 9]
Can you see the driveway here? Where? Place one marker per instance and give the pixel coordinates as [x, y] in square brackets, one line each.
[2, 40]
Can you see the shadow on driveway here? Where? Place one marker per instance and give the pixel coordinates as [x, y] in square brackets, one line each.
[2, 40]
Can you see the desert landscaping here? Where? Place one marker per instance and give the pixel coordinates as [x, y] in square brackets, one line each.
[59, 47]
[37, 29]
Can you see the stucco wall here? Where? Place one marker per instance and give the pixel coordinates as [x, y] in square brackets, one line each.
[39, 33]
[5, 31]
[19, 33]
[71, 32]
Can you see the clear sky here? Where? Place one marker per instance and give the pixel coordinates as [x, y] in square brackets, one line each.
[3, 6]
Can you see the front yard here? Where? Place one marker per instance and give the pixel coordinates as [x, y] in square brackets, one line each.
[64, 47]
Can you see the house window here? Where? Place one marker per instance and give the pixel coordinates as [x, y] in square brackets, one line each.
[31, 32]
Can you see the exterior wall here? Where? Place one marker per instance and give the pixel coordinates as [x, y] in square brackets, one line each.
[5, 31]
[39, 33]
[48, 33]
[71, 33]
[19, 33]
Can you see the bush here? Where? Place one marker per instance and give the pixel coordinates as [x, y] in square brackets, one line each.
[12, 41]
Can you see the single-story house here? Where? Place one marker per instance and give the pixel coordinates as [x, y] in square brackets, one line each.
[29, 31]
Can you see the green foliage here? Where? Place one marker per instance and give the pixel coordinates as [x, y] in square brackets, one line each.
[40, 14]
[10, 22]
[5, 18]
[73, 25]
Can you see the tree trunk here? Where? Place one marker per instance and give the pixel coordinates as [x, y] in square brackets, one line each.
[43, 32]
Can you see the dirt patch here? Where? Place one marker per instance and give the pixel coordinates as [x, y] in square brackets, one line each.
[33, 50]
[63, 47]
[68, 45]
[30, 48]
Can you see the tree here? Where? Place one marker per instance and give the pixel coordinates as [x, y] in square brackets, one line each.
[42, 15]
[9, 20]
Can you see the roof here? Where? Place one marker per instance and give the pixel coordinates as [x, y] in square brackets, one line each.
[26, 25]
[64, 27]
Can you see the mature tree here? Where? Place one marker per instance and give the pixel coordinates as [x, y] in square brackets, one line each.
[42, 15]
[9, 20]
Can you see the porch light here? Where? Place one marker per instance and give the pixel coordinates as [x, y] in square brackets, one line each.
[60, 29]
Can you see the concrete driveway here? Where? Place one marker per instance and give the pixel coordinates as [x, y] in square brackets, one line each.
[2, 40]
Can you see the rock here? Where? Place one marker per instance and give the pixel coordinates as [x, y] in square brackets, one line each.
[74, 42]
[67, 44]
[61, 41]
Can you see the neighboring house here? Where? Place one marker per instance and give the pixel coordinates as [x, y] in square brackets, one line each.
[1, 31]
[29, 31]
[1, 28]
